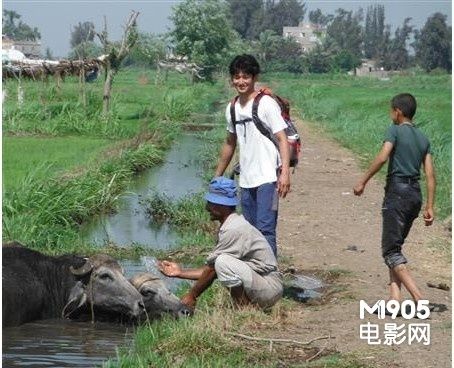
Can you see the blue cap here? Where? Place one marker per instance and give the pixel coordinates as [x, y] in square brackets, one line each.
[222, 191]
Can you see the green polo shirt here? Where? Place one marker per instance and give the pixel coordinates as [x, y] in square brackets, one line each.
[410, 148]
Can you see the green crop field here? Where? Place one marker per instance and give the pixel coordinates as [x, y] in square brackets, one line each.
[45, 156]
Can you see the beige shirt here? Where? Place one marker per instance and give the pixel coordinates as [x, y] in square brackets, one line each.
[243, 241]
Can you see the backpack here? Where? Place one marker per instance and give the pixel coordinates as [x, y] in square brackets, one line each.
[293, 137]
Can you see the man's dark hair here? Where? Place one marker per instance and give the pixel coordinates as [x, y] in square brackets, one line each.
[244, 63]
[406, 103]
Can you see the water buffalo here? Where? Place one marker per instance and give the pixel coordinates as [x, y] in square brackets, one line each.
[36, 286]
[157, 298]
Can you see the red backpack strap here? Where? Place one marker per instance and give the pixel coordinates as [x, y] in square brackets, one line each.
[282, 102]
[284, 105]
[258, 123]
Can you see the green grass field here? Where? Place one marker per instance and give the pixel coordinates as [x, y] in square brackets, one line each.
[45, 156]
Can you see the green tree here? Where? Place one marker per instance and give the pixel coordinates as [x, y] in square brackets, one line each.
[148, 50]
[267, 43]
[287, 56]
[374, 30]
[203, 32]
[82, 42]
[318, 60]
[82, 32]
[343, 61]
[85, 50]
[433, 44]
[395, 54]
[14, 28]
[246, 17]
[283, 13]
[346, 31]
[317, 17]
[278, 53]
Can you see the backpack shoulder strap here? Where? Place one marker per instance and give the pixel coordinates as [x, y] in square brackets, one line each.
[258, 123]
[232, 110]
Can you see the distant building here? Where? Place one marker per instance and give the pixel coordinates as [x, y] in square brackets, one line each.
[369, 68]
[308, 35]
[31, 49]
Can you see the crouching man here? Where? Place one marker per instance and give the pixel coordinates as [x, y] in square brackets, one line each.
[242, 259]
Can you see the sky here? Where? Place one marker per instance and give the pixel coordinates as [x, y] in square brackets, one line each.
[56, 18]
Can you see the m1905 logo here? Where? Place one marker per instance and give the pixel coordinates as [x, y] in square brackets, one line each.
[408, 309]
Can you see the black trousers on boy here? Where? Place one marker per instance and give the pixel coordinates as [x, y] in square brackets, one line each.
[401, 207]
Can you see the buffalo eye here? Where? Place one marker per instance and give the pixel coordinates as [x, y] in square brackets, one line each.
[105, 276]
[148, 292]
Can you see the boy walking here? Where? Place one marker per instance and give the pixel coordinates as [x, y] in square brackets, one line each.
[265, 173]
[407, 149]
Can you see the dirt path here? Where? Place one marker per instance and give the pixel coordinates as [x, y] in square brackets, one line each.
[320, 220]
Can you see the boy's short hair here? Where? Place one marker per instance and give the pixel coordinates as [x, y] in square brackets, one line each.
[245, 63]
[406, 103]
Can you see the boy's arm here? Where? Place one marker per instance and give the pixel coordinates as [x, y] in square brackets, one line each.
[227, 150]
[376, 165]
[431, 184]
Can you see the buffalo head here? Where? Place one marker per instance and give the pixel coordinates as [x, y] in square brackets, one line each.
[103, 287]
[157, 298]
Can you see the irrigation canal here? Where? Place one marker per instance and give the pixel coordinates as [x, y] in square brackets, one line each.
[59, 343]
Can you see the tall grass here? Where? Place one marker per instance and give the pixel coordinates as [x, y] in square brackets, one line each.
[45, 214]
[135, 100]
[356, 112]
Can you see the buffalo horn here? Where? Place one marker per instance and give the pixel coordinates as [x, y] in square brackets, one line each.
[83, 270]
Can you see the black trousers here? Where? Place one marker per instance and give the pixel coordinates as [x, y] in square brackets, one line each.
[401, 207]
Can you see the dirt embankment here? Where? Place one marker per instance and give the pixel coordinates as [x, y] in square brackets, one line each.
[323, 226]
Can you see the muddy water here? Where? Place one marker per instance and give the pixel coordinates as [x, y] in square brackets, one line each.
[178, 176]
[62, 343]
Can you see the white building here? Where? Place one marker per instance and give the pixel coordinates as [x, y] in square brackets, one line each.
[308, 35]
[31, 49]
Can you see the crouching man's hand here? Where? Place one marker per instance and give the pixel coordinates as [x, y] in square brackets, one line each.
[170, 269]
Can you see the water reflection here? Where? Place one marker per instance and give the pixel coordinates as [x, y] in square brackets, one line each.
[62, 343]
[177, 177]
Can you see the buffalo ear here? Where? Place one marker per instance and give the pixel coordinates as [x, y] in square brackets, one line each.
[77, 298]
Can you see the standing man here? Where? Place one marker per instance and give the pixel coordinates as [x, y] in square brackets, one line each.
[265, 173]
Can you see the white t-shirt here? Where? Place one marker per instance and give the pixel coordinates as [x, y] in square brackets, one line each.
[259, 158]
